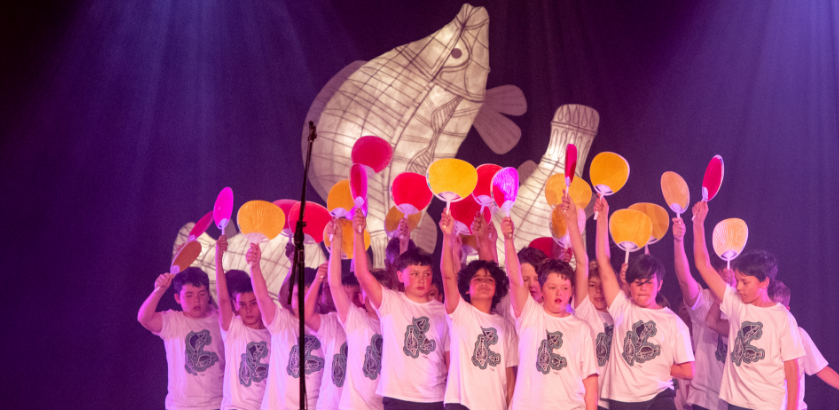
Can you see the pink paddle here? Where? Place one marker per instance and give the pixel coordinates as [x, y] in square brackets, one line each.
[544, 244]
[410, 193]
[570, 165]
[358, 187]
[316, 217]
[223, 208]
[464, 212]
[285, 205]
[505, 188]
[483, 191]
[201, 226]
[713, 178]
[372, 152]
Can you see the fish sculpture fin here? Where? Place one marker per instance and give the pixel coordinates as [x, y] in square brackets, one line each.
[499, 132]
[526, 168]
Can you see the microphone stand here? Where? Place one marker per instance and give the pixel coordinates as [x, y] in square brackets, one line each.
[298, 267]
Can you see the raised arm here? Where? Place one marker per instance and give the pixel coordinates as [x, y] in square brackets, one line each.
[700, 251]
[339, 296]
[518, 289]
[368, 282]
[569, 213]
[148, 315]
[480, 228]
[690, 288]
[404, 235]
[260, 288]
[311, 300]
[224, 306]
[611, 287]
[492, 234]
[447, 263]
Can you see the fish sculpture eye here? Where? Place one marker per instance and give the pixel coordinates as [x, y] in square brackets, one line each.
[456, 53]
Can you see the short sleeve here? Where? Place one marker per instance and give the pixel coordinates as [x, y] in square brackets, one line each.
[351, 323]
[460, 312]
[730, 301]
[682, 349]
[446, 339]
[700, 307]
[232, 329]
[528, 314]
[813, 361]
[588, 359]
[388, 299]
[619, 306]
[328, 327]
[169, 320]
[791, 347]
[282, 320]
[512, 347]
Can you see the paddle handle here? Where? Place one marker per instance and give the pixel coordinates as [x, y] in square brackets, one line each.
[728, 265]
[448, 207]
[626, 258]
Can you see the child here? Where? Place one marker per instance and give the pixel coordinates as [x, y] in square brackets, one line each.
[436, 290]
[710, 347]
[590, 306]
[485, 346]
[396, 246]
[558, 366]
[766, 342]
[282, 390]
[416, 339]
[194, 348]
[653, 344]
[247, 343]
[813, 362]
[530, 259]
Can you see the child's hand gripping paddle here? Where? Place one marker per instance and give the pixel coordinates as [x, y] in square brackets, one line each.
[659, 218]
[483, 191]
[201, 226]
[340, 201]
[260, 221]
[609, 173]
[223, 208]
[316, 218]
[505, 189]
[676, 192]
[358, 187]
[559, 228]
[729, 238]
[630, 229]
[395, 217]
[410, 193]
[188, 254]
[570, 166]
[451, 179]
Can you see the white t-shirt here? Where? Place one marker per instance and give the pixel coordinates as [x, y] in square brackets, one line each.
[334, 344]
[602, 329]
[647, 343]
[504, 308]
[812, 363]
[711, 351]
[195, 358]
[415, 339]
[247, 353]
[555, 355]
[761, 340]
[364, 362]
[283, 388]
[483, 347]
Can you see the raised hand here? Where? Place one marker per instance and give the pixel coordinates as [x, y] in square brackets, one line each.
[679, 229]
[402, 230]
[601, 206]
[163, 282]
[479, 227]
[492, 234]
[323, 270]
[700, 211]
[508, 229]
[447, 224]
[221, 246]
[359, 222]
[254, 255]
[569, 210]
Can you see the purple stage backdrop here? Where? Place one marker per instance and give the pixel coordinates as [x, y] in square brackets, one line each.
[122, 120]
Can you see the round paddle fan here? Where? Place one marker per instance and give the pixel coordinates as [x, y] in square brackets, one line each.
[464, 213]
[608, 173]
[579, 191]
[260, 221]
[395, 216]
[285, 205]
[358, 187]
[188, 254]
[372, 152]
[676, 192]
[223, 208]
[713, 178]
[451, 179]
[559, 230]
[483, 191]
[543, 244]
[658, 216]
[505, 189]
[201, 226]
[630, 230]
[730, 236]
[410, 193]
[316, 218]
[340, 202]
[570, 165]
[348, 236]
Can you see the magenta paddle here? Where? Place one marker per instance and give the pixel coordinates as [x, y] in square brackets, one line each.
[201, 226]
[570, 165]
[713, 178]
[223, 208]
[358, 187]
[505, 188]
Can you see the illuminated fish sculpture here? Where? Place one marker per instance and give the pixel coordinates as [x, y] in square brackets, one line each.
[571, 124]
[422, 98]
